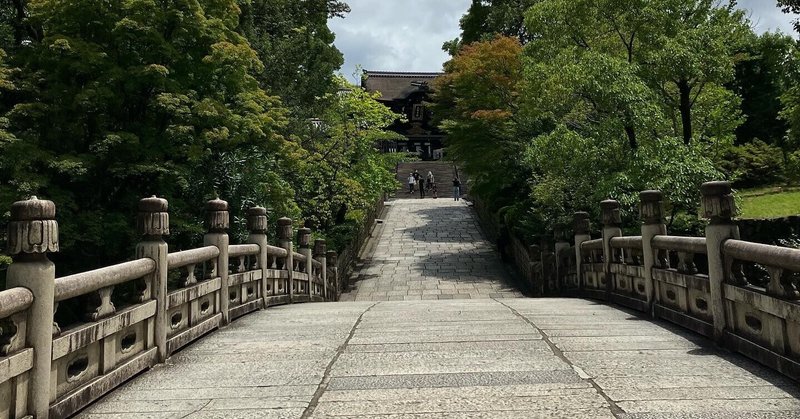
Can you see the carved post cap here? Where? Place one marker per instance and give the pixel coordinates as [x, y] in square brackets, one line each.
[304, 237]
[153, 218]
[33, 228]
[558, 233]
[611, 214]
[285, 228]
[581, 223]
[257, 220]
[717, 201]
[535, 253]
[217, 216]
[332, 257]
[320, 247]
[651, 207]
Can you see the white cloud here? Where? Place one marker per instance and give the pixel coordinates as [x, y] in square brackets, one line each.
[407, 35]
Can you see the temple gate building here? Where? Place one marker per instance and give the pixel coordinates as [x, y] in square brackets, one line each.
[406, 93]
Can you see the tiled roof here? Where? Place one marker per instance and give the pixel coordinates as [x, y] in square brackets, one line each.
[395, 85]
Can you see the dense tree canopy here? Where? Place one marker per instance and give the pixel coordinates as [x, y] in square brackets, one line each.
[610, 98]
[103, 103]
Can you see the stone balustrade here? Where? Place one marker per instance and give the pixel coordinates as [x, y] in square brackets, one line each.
[696, 282]
[131, 316]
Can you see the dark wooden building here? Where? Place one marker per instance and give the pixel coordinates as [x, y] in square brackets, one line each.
[405, 93]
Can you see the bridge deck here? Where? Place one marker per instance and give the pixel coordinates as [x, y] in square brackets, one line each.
[513, 358]
[469, 354]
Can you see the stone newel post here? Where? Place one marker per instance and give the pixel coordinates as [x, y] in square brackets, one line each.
[32, 233]
[257, 226]
[319, 256]
[218, 222]
[582, 228]
[611, 228]
[332, 261]
[304, 241]
[152, 224]
[651, 211]
[285, 241]
[561, 244]
[719, 207]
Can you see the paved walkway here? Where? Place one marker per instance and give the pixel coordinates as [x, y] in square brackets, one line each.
[511, 358]
[430, 249]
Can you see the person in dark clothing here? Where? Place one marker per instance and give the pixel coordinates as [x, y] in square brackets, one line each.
[456, 189]
[421, 187]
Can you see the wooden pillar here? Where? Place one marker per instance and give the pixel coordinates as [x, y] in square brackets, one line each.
[285, 241]
[257, 226]
[651, 211]
[612, 221]
[582, 227]
[218, 222]
[319, 256]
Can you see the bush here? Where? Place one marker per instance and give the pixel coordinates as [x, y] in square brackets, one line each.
[753, 164]
[792, 170]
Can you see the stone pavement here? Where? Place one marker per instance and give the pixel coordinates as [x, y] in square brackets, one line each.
[488, 358]
[430, 249]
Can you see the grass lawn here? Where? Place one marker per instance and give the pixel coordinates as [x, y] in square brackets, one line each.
[771, 206]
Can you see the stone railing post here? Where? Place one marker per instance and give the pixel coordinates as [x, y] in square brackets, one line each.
[257, 226]
[304, 241]
[285, 241]
[152, 223]
[32, 234]
[218, 222]
[332, 261]
[651, 211]
[582, 228]
[319, 256]
[611, 228]
[719, 208]
[561, 244]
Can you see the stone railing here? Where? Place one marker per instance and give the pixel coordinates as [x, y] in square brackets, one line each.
[696, 282]
[129, 317]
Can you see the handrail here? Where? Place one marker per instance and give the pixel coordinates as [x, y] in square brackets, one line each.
[237, 250]
[189, 257]
[695, 245]
[316, 263]
[595, 244]
[764, 254]
[626, 242]
[299, 257]
[277, 251]
[14, 300]
[83, 283]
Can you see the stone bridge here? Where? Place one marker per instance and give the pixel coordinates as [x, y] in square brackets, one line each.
[432, 326]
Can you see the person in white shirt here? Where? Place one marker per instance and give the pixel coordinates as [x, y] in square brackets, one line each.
[411, 182]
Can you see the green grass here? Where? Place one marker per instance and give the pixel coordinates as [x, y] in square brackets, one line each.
[771, 206]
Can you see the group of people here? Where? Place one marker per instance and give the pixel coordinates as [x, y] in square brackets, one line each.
[428, 185]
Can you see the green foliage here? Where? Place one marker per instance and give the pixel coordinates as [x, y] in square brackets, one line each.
[761, 79]
[793, 167]
[753, 164]
[176, 99]
[606, 99]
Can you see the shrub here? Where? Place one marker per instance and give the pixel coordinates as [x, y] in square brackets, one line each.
[753, 164]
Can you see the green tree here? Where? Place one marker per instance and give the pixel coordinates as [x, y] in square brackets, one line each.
[476, 103]
[761, 79]
[144, 95]
[294, 43]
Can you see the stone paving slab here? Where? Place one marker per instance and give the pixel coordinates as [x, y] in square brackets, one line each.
[452, 359]
[430, 249]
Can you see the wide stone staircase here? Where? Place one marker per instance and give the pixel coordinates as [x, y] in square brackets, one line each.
[443, 173]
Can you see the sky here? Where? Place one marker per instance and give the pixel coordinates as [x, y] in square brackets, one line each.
[407, 35]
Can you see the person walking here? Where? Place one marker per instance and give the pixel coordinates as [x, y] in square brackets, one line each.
[430, 181]
[411, 183]
[421, 188]
[456, 189]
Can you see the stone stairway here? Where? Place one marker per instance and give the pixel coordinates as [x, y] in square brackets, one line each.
[443, 172]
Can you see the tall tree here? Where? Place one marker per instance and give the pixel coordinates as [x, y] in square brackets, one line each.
[294, 43]
[761, 78]
[124, 99]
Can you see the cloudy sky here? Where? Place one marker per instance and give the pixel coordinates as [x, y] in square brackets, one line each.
[407, 35]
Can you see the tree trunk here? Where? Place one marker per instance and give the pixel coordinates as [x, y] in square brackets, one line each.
[631, 137]
[686, 110]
